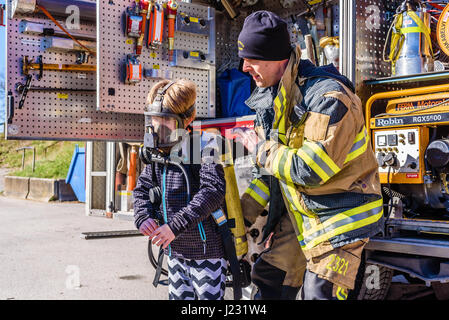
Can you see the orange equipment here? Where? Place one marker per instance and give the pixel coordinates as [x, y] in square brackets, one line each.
[172, 9]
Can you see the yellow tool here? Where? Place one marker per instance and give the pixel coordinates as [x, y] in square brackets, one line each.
[232, 198]
[29, 66]
[233, 206]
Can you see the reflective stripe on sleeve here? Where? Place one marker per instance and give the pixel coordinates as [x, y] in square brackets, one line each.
[359, 146]
[259, 192]
[344, 222]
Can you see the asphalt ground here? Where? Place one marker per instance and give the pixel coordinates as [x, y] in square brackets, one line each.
[43, 256]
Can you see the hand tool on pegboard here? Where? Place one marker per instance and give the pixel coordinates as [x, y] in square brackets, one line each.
[133, 69]
[155, 25]
[134, 22]
[25, 91]
[144, 4]
[231, 8]
[10, 106]
[172, 7]
[20, 87]
[40, 66]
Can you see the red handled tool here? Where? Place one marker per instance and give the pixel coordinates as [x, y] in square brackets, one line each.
[144, 4]
[172, 9]
[156, 28]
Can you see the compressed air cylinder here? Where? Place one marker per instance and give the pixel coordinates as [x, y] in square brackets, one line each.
[415, 55]
[234, 211]
[234, 208]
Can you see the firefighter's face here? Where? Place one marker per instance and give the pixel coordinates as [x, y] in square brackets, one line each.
[265, 73]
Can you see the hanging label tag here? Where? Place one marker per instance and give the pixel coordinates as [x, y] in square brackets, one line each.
[135, 73]
[129, 41]
[135, 26]
[64, 96]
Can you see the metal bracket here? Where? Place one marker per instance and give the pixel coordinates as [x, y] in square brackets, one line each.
[192, 59]
[186, 23]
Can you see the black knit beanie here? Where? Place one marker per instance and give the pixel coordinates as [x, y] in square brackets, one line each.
[264, 36]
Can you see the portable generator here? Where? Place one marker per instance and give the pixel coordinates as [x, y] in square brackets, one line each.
[411, 141]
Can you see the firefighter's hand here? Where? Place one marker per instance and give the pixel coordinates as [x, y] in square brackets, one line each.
[248, 137]
[162, 236]
[148, 226]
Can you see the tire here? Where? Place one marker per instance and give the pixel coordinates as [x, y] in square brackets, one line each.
[363, 287]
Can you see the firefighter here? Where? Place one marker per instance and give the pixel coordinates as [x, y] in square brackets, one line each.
[312, 149]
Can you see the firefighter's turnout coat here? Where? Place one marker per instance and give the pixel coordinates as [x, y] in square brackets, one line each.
[319, 150]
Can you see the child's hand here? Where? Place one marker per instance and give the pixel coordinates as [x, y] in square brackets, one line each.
[148, 226]
[163, 236]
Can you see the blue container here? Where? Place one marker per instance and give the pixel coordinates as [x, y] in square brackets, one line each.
[235, 88]
[77, 174]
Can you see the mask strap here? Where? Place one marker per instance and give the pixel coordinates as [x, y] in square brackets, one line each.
[158, 101]
[186, 114]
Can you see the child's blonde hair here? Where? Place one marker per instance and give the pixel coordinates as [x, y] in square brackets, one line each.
[179, 97]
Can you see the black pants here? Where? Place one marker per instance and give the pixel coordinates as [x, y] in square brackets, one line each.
[316, 288]
[269, 280]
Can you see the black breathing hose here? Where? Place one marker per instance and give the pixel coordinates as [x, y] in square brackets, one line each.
[164, 160]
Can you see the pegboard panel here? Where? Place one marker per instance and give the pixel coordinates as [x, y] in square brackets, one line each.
[373, 20]
[117, 96]
[50, 115]
[229, 30]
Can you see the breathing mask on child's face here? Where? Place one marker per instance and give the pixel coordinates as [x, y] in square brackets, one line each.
[161, 124]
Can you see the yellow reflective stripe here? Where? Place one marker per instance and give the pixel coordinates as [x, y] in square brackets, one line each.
[343, 229]
[253, 194]
[259, 192]
[360, 135]
[357, 152]
[289, 185]
[323, 155]
[312, 222]
[344, 215]
[277, 103]
[284, 95]
[280, 114]
[288, 165]
[411, 30]
[312, 164]
[261, 186]
[277, 158]
[294, 197]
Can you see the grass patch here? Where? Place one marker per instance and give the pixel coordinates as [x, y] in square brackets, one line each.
[52, 157]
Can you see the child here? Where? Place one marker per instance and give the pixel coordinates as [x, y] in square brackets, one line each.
[188, 233]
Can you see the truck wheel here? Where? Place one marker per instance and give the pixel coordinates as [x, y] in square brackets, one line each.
[372, 282]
